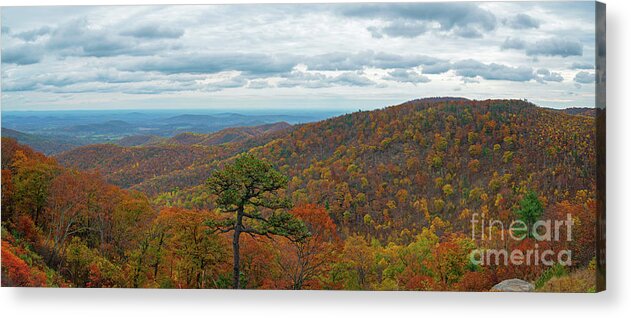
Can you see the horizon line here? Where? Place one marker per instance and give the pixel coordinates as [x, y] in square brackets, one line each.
[308, 109]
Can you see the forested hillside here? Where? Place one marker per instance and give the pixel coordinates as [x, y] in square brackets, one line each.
[49, 145]
[394, 166]
[387, 197]
[176, 157]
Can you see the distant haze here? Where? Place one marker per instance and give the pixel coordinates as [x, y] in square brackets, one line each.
[333, 57]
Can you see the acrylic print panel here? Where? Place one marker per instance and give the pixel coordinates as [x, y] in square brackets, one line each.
[417, 146]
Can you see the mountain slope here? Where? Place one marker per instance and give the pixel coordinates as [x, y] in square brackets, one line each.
[48, 145]
[396, 168]
[157, 157]
[226, 135]
[137, 140]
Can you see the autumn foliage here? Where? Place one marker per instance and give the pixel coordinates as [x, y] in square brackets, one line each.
[385, 196]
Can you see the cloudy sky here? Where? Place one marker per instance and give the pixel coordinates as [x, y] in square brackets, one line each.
[348, 56]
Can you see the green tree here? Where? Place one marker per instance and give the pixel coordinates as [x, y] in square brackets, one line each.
[530, 209]
[248, 189]
[32, 184]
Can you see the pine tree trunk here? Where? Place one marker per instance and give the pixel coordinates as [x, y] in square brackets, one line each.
[235, 250]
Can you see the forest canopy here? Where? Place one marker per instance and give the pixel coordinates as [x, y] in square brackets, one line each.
[379, 200]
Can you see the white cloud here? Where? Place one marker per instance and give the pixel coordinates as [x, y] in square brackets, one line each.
[287, 53]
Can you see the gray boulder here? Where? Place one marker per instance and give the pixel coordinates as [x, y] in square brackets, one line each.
[513, 285]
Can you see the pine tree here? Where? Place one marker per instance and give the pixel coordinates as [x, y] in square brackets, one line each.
[248, 189]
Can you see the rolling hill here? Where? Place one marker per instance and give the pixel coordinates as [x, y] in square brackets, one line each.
[48, 145]
[235, 134]
[385, 170]
[152, 157]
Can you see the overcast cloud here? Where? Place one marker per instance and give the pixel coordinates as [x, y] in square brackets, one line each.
[285, 56]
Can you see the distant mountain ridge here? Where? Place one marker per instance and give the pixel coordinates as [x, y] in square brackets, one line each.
[583, 111]
[48, 145]
[223, 136]
[93, 127]
[227, 135]
[149, 157]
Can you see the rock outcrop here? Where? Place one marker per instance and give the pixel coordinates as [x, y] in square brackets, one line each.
[513, 285]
